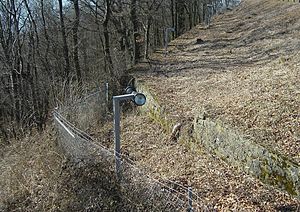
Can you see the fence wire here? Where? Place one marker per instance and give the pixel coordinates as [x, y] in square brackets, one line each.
[87, 111]
[144, 192]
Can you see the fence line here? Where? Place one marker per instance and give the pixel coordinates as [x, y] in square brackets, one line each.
[79, 145]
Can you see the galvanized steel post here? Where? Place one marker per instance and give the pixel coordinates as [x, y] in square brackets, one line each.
[107, 92]
[190, 200]
[116, 108]
[139, 99]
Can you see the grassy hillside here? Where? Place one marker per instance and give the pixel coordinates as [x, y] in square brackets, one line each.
[245, 74]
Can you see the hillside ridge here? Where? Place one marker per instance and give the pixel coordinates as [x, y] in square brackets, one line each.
[248, 80]
[244, 74]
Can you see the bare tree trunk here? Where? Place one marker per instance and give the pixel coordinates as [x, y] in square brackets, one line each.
[195, 12]
[180, 17]
[188, 9]
[157, 35]
[45, 59]
[85, 54]
[65, 44]
[32, 73]
[75, 41]
[147, 36]
[7, 39]
[173, 18]
[107, 38]
[112, 75]
[16, 68]
[134, 21]
[205, 12]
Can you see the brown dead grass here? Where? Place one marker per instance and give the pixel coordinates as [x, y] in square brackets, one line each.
[218, 185]
[29, 174]
[246, 74]
[36, 176]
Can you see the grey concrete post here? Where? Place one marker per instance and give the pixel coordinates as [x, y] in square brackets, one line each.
[107, 92]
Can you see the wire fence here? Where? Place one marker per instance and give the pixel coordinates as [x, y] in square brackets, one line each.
[87, 111]
[144, 192]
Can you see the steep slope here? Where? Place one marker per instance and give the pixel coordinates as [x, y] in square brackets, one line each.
[218, 185]
[245, 73]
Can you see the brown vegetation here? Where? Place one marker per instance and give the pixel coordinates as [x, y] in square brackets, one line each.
[49, 47]
[217, 184]
[244, 74]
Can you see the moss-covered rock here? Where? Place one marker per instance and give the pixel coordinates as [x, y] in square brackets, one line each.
[270, 167]
[266, 165]
[153, 108]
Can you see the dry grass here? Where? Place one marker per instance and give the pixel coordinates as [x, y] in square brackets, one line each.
[263, 103]
[245, 74]
[35, 176]
[218, 185]
[29, 172]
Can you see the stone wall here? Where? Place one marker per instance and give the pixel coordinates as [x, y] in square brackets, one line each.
[229, 145]
[270, 167]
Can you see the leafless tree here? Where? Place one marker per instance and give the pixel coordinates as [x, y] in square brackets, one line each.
[75, 41]
[107, 37]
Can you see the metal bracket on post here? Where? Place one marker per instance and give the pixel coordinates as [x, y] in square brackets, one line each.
[139, 99]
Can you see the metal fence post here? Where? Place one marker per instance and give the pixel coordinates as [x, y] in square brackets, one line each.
[209, 15]
[167, 30]
[166, 41]
[139, 99]
[116, 106]
[190, 200]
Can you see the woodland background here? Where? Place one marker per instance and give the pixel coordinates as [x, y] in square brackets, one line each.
[52, 49]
